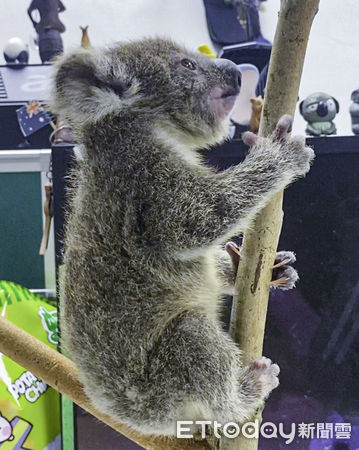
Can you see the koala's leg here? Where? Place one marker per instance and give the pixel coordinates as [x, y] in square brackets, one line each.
[194, 373]
[271, 165]
[214, 207]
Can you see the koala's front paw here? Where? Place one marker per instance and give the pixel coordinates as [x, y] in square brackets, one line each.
[284, 276]
[264, 375]
[293, 153]
[298, 156]
[289, 156]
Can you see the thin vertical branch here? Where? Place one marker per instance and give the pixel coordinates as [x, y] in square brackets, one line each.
[260, 243]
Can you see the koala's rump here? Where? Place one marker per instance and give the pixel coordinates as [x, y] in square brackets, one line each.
[113, 313]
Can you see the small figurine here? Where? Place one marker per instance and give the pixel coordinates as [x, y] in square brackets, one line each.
[319, 110]
[49, 28]
[257, 106]
[354, 111]
[85, 40]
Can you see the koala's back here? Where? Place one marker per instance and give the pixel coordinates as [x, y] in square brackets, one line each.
[120, 290]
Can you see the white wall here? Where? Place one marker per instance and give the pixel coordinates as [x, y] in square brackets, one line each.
[113, 20]
[332, 60]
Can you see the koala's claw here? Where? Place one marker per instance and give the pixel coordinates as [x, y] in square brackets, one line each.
[281, 263]
[234, 252]
[265, 373]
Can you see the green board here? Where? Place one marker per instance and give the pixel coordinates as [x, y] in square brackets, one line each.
[21, 229]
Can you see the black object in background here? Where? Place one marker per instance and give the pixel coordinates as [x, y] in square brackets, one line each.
[254, 53]
[224, 27]
[312, 331]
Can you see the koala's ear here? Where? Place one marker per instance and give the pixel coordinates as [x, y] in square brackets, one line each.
[336, 103]
[301, 107]
[83, 88]
[81, 68]
[74, 68]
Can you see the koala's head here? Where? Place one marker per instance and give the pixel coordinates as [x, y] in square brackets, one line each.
[319, 107]
[184, 93]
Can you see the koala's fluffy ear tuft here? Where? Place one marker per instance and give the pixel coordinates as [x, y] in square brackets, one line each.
[82, 70]
[84, 87]
[74, 68]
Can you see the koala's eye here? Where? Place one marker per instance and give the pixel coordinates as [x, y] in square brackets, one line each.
[188, 64]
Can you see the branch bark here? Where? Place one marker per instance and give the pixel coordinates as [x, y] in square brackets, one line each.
[259, 248]
[61, 373]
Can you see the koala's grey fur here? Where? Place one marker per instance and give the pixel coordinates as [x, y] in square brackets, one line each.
[144, 267]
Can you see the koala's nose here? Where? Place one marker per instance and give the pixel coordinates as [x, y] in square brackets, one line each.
[232, 75]
[322, 109]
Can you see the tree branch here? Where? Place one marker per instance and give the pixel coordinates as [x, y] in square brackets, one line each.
[259, 248]
[61, 373]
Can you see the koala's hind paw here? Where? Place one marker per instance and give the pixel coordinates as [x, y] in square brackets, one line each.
[284, 276]
[265, 375]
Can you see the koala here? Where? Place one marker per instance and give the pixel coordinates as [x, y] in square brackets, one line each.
[319, 110]
[144, 263]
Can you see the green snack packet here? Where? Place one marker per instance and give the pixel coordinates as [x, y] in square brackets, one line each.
[29, 408]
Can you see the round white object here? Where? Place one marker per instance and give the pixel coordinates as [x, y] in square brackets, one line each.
[14, 47]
